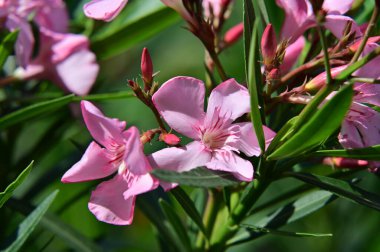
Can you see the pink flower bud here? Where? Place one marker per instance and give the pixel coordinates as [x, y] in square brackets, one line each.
[320, 80]
[355, 46]
[146, 67]
[170, 139]
[233, 34]
[268, 44]
[340, 162]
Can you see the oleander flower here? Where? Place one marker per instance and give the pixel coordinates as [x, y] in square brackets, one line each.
[299, 17]
[114, 151]
[65, 59]
[217, 138]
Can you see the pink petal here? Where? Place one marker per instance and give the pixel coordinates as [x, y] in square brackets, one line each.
[367, 93]
[94, 164]
[53, 16]
[339, 7]
[230, 98]
[106, 131]
[104, 9]
[25, 41]
[247, 141]
[230, 162]
[78, 72]
[180, 101]
[182, 159]
[135, 159]
[371, 69]
[140, 184]
[296, 13]
[337, 23]
[109, 205]
[293, 51]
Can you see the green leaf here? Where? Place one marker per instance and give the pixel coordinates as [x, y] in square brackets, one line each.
[249, 19]
[140, 21]
[281, 135]
[34, 110]
[319, 127]
[369, 153]
[189, 207]
[30, 222]
[4, 196]
[176, 223]
[6, 46]
[261, 230]
[286, 211]
[199, 177]
[255, 87]
[340, 188]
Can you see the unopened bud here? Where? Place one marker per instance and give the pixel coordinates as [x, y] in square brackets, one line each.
[170, 139]
[273, 74]
[355, 46]
[233, 34]
[146, 68]
[340, 162]
[268, 45]
[147, 136]
[320, 80]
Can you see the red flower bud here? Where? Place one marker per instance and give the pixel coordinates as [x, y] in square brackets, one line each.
[146, 67]
[170, 139]
[268, 45]
[233, 34]
[320, 80]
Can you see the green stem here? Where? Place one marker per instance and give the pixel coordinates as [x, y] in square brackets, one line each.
[218, 65]
[371, 25]
[365, 80]
[325, 53]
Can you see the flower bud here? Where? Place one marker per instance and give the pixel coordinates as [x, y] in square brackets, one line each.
[320, 80]
[355, 46]
[146, 67]
[170, 139]
[147, 136]
[340, 162]
[268, 45]
[233, 34]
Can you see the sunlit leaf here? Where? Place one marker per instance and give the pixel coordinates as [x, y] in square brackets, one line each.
[369, 153]
[6, 46]
[4, 196]
[319, 127]
[199, 177]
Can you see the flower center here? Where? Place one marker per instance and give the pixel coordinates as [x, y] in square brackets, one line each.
[214, 139]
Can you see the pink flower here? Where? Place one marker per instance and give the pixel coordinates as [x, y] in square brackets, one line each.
[114, 150]
[65, 59]
[217, 139]
[361, 127]
[50, 14]
[178, 6]
[105, 10]
[299, 17]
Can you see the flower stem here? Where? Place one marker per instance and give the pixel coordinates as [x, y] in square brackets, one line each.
[218, 65]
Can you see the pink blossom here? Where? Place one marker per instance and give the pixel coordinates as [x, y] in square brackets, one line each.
[118, 151]
[299, 17]
[105, 10]
[50, 14]
[65, 59]
[217, 139]
[178, 6]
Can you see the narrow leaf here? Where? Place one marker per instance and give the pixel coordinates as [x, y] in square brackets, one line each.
[340, 188]
[319, 127]
[254, 86]
[30, 222]
[176, 223]
[261, 230]
[284, 212]
[249, 19]
[369, 153]
[189, 207]
[199, 177]
[4, 196]
[6, 46]
[140, 21]
[24, 114]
